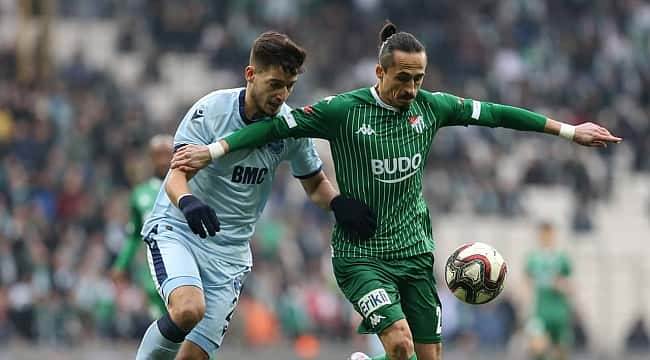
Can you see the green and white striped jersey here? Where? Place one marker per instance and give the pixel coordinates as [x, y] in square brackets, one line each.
[379, 154]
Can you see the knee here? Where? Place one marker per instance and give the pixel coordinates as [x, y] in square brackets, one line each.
[402, 348]
[186, 314]
[399, 344]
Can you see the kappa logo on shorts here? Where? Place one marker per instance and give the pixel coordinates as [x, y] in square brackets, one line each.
[237, 285]
[373, 301]
[375, 319]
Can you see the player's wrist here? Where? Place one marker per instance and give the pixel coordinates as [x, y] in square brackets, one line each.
[185, 200]
[216, 150]
[567, 131]
[335, 202]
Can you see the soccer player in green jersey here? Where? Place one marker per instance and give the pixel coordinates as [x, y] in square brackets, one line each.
[140, 204]
[548, 270]
[380, 138]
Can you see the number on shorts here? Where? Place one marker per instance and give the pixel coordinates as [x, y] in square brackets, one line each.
[439, 315]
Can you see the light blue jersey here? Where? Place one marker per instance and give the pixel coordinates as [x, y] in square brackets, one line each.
[237, 185]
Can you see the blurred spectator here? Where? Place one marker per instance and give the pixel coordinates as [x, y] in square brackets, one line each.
[71, 145]
[637, 339]
[549, 270]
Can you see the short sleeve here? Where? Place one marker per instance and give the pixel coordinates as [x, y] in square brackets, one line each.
[304, 161]
[194, 128]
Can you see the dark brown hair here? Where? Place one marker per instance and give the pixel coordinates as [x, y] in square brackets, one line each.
[276, 49]
[391, 40]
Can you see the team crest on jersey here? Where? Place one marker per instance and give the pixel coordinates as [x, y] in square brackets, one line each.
[417, 123]
[275, 147]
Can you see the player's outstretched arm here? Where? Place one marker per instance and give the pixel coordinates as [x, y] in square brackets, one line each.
[455, 110]
[587, 134]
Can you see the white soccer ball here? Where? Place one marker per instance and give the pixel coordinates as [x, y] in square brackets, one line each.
[475, 273]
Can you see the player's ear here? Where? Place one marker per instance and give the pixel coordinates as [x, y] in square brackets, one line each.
[379, 71]
[249, 73]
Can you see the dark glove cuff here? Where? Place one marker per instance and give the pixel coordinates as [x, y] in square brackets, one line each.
[335, 201]
[186, 200]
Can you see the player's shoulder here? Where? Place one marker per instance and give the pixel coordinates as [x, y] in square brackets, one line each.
[437, 95]
[347, 99]
[362, 95]
[221, 101]
[439, 99]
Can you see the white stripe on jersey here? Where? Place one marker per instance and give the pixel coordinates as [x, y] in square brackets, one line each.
[476, 109]
[291, 121]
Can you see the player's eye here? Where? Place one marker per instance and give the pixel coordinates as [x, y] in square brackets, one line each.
[403, 78]
[276, 84]
[419, 78]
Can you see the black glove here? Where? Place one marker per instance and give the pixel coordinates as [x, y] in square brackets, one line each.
[354, 216]
[200, 217]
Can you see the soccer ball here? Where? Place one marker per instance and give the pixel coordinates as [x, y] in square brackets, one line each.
[475, 273]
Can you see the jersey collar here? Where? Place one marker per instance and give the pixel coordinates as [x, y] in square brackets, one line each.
[380, 102]
[242, 102]
[242, 113]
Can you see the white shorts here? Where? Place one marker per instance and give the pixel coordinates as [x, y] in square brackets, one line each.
[174, 262]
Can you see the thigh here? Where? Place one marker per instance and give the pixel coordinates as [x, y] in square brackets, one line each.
[367, 284]
[221, 297]
[170, 262]
[420, 301]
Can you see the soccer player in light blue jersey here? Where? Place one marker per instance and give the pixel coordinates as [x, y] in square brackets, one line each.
[199, 228]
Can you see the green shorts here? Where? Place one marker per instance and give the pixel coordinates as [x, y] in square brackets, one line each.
[385, 291]
[559, 331]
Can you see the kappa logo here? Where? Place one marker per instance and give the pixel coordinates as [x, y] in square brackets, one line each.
[365, 129]
[417, 123]
[375, 319]
[197, 114]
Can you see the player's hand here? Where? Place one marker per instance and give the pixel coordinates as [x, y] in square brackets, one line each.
[590, 134]
[354, 216]
[191, 158]
[200, 217]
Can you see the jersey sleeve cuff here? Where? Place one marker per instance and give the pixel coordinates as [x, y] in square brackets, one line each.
[307, 176]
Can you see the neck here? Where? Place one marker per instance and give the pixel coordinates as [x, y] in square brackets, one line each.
[381, 96]
[385, 100]
[250, 108]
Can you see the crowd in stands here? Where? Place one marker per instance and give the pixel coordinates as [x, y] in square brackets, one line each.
[73, 144]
